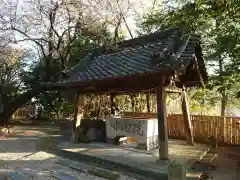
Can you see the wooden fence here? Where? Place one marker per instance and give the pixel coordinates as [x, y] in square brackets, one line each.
[225, 129]
[24, 112]
[20, 114]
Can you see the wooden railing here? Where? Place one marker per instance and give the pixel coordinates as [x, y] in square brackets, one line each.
[225, 129]
[20, 114]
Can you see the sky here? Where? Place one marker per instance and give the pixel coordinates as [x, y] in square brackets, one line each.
[138, 6]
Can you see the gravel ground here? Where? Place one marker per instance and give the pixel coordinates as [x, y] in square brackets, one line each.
[30, 153]
[227, 163]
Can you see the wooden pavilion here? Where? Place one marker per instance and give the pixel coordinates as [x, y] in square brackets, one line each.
[147, 63]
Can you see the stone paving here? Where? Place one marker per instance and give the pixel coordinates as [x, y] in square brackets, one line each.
[28, 155]
[55, 168]
[227, 164]
[138, 161]
[178, 151]
[22, 156]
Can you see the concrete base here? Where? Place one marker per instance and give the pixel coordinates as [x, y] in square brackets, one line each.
[11, 176]
[144, 130]
[176, 172]
[150, 145]
[111, 141]
[137, 161]
[5, 177]
[142, 146]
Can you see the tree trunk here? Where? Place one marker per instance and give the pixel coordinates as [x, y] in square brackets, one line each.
[10, 107]
[58, 113]
[223, 109]
[223, 92]
[223, 103]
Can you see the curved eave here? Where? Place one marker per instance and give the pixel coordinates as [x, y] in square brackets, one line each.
[143, 82]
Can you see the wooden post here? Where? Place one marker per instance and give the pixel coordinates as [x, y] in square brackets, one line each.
[148, 103]
[78, 116]
[75, 113]
[132, 102]
[186, 118]
[162, 122]
[111, 103]
[223, 127]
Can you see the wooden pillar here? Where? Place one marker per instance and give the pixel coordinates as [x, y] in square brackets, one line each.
[148, 103]
[75, 113]
[112, 104]
[132, 102]
[78, 116]
[186, 118]
[223, 126]
[162, 122]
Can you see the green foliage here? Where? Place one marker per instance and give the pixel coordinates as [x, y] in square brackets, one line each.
[55, 103]
[11, 67]
[86, 43]
[218, 24]
[204, 99]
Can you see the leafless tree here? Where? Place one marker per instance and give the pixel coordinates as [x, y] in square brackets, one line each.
[53, 27]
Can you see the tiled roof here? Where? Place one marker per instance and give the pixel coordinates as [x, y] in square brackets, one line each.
[135, 57]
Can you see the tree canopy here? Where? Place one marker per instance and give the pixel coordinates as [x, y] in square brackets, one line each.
[59, 34]
[218, 24]
[41, 40]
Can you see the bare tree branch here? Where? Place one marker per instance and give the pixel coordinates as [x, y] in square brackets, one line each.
[26, 35]
[124, 19]
[117, 29]
[32, 39]
[61, 37]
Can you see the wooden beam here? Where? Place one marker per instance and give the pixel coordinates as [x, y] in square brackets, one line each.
[186, 118]
[162, 122]
[198, 70]
[128, 84]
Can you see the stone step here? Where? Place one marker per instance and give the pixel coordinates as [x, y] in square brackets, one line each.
[63, 176]
[11, 176]
[104, 173]
[208, 159]
[194, 175]
[203, 164]
[206, 162]
[78, 166]
[82, 167]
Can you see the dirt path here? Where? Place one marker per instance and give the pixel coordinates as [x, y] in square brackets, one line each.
[33, 148]
[22, 144]
[228, 164]
[31, 152]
